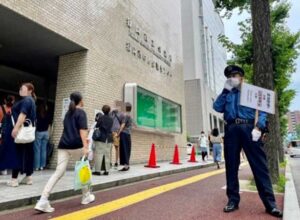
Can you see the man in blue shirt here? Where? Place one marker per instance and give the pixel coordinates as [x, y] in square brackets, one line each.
[240, 132]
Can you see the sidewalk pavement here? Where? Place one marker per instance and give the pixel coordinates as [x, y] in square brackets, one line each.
[24, 195]
[291, 205]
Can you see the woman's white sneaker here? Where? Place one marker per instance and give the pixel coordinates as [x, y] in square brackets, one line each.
[87, 198]
[3, 172]
[13, 183]
[27, 180]
[44, 206]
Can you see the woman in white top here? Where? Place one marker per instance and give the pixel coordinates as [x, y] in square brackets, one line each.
[203, 145]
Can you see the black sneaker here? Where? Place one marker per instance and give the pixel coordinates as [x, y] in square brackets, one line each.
[125, 169]
[106, 173]
[116, 165]
[96, 173]
[275, 212]
[230, 207]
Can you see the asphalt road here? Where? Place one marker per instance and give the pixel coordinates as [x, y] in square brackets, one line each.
[201, 199]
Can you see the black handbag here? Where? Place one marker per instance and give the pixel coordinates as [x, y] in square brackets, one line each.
[97, 134]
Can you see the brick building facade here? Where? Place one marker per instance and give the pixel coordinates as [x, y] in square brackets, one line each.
[112, 42]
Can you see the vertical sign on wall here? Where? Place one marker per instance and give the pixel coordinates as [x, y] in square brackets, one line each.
[65, 107]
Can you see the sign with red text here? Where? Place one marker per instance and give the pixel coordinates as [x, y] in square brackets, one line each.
[257, 98]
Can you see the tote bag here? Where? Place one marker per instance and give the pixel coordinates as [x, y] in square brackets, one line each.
[26, 134]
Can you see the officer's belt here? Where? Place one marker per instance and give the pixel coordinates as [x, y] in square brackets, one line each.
[240, 121]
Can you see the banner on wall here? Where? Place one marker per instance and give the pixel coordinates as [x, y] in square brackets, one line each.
[65, 107]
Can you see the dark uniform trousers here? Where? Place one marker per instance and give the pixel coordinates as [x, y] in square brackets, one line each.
[238, 136]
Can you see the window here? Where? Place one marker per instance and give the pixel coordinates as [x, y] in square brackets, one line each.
[215, 122]
[221, 126]
[154, 111]
[210, 121]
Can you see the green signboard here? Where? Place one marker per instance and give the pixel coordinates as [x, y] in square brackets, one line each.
[154, 111]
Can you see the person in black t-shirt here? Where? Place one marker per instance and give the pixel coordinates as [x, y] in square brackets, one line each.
[73, 143]
[103, 143]
[41, 137]
[23, 110]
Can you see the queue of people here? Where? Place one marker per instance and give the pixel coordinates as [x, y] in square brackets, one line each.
[25, 158]
[74, 143]
[113, 129]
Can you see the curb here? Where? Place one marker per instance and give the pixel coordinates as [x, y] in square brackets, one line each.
[291, 209]
[5, 206]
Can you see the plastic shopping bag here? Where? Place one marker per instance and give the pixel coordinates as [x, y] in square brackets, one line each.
[91, 155]
[83, 174]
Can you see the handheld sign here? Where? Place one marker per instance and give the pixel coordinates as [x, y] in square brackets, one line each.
[257, 98]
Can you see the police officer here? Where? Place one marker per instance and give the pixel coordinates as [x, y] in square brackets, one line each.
[240, 132]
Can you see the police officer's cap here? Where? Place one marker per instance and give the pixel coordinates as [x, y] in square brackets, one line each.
[233, 69]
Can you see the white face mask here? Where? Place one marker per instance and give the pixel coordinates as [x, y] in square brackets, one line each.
[235, 82]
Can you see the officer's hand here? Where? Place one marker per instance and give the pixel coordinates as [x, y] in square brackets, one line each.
[228, 84]
[255, 134]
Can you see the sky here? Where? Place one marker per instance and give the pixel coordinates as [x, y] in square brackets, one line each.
[293, 22]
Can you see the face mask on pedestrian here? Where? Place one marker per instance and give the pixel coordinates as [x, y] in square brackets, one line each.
[235, 82]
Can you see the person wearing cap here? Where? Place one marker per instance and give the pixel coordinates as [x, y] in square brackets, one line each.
[240, 132]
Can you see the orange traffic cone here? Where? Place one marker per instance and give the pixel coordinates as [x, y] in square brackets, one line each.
[193, 156]
[176, 156]
[152, 158]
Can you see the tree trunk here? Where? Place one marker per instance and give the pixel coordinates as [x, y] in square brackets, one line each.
[263, 75]
[281, 152]
[280, 139]
[280, 142]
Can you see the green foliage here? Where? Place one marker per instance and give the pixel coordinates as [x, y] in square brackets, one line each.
[252, 182]
[285, 50]
[279, 13]
[229, 5]
[280, 186]
[283, 164]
